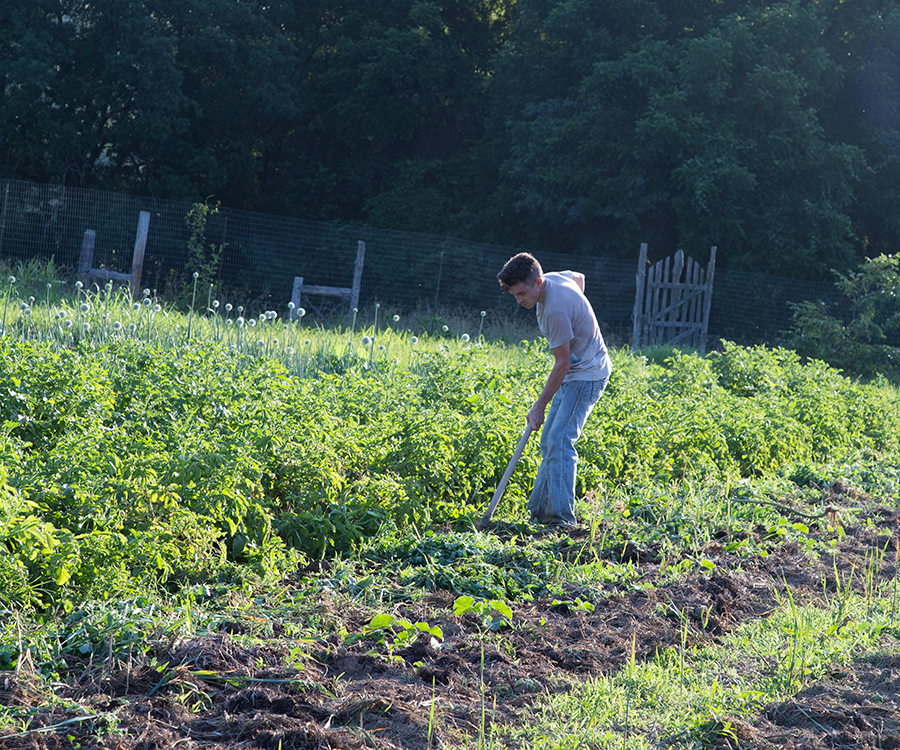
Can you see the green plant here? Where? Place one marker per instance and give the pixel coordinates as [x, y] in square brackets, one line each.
[492, 614]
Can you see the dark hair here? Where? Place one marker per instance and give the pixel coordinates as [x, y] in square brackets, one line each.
[520, 269]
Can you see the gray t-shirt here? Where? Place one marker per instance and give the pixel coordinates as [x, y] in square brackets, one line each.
[566, 315]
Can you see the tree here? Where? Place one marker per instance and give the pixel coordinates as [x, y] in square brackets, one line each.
[680, 134]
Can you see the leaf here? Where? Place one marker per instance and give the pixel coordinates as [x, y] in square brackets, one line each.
[431, 630]
[62, 576]
[463, 604]
[380, 621]
[502, 607]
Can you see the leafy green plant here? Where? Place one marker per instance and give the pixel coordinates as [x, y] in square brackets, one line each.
[395, 631]
[492, 614]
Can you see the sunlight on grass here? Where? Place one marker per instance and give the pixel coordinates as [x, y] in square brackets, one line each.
[671, 699]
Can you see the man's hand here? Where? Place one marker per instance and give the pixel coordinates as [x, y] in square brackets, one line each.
[536, 417]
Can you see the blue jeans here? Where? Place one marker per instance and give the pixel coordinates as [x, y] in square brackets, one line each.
[552, 498]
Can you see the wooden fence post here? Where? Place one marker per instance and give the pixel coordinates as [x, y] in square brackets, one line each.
[137, 261]
[639, 298]
[707, 302]
[296, 294]
[357, 274]
[86, 259]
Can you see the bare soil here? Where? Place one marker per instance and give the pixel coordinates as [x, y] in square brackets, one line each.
[215, 693]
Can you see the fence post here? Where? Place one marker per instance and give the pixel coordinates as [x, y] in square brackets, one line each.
[707, 301]
[86, 259]
[639, 298]
[137, 261]
[357, 274]
[296, 294]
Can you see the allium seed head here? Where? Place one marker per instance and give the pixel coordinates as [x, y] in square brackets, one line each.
[12, 280]
[228, 307]
[251, 322]
[396, 318]
[301, 312]
[366, 341]
[78, 284]
[445, 329]
[414, 340]
[215, 304]
[465, 338]
[85, 307]
[68, 324]
[240, 322]
[483, 313]
[291, 305]
[117, 326]
[196, 275]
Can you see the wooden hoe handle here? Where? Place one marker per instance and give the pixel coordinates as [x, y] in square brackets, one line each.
[510, 467]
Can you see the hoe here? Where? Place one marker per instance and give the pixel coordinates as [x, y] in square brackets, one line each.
[486, 518]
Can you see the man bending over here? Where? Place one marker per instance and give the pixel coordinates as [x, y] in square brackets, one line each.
[581, 370]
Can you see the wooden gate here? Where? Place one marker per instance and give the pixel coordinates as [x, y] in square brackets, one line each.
[668, 310]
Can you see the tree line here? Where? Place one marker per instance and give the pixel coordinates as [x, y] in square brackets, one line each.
[771, 130]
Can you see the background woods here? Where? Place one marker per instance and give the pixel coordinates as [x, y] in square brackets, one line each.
[584, 126]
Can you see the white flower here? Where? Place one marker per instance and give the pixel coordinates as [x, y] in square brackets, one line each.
[414, 340]
[228, 307]
[301, 312]
[215, 304]
[12, 280]
[78, 284]
[465, 338]
[136, 306]
[240, 322]
[366, 341]
[251, 322]
[117, 326]
[196, 275]
[85, 307]
[445, 329]
[483, 313]
[396, 318]
[291, 305]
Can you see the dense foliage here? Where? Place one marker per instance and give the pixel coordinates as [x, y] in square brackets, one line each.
[769, 130]
[125, 464]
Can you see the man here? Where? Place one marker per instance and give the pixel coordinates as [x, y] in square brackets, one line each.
[581, 370]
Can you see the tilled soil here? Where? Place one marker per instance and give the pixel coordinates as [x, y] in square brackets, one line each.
[214, 693]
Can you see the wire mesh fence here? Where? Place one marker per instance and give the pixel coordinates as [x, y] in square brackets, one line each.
[253, 258]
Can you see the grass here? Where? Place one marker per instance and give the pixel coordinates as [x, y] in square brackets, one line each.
[683, 694]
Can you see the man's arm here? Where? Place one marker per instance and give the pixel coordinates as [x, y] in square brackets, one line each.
[578, 278]
[562, 361]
